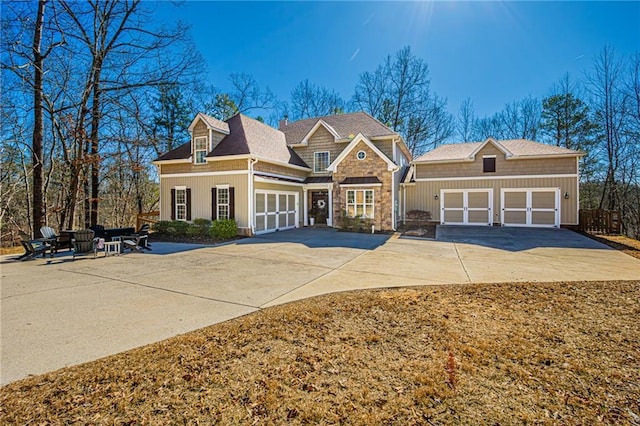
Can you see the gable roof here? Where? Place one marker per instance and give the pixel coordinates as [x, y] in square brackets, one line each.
[246, 137]
[360, 138]
[345, 126]
[211, 123]
[512, 148]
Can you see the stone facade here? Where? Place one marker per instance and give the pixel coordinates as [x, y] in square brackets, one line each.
[371, 166]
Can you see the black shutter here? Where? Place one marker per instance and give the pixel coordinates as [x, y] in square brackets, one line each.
[232, 204]
[173, 204]
[214, 203]
[188, 203]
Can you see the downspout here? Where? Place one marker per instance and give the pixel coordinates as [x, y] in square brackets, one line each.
[251, 217]
[393, 198]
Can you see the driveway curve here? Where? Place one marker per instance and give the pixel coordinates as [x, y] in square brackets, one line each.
[56, 312]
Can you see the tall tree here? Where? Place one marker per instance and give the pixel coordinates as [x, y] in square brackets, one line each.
[245, 96]
[311, 100]
[172, 115]
[398, 94]
[466, 118]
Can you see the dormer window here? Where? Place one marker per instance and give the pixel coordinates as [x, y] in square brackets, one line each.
[200, 150]
[320, 161]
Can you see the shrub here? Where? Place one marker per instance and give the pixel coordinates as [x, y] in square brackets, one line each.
[178, 228]
[201, 227]
[202, 223]
[224, 229]
[162, 227]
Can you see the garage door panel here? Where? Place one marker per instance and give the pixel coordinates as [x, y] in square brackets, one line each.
[275, 210]
[478, 200]
[543, 218]
[515, 217]
[453, 216]
[543, 200]
[515, 200]
[260, 204]
[453, 200]
[477, 216]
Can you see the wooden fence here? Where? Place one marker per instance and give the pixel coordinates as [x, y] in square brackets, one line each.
[600, 221]
[150, 217]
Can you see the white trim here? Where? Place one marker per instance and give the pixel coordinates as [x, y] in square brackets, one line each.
[323, 185]
[201, 117]
[198, 174]
[279, 176]
[572, 175]
[355, 185]
[315, 169]
[529, 209]
[364, 154]
[225, 186]
[391, 166]
[465, 206]
[279, 163]
[183, 187]
[276, 182]
[176, 161]
[490, 156]
[495, 143]
[218, 203]
[264, 215]
[364, 203]
[185, 204]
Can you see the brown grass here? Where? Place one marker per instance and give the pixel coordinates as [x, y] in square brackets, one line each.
[561, 353]
[619, 242]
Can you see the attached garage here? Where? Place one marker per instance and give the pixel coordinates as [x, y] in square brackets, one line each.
[275, 210]
[530, 207]
[466, 207]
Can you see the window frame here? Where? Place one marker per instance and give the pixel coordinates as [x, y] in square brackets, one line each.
[183, 190]
[315, 161]
[197, 150]
[364, 204]
[491, 162]
[364, 155]
[220, 189]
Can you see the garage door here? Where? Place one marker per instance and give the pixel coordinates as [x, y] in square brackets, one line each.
[275, 211]
[530, 207]
[466, 207]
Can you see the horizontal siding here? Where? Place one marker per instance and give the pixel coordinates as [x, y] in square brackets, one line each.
[201, 195]
[212, 166]
[386, 146]
[504, 167]
[421, 195]
[321, 140]
[262, 166]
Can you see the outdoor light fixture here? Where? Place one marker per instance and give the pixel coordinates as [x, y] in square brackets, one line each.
[435, 197]
[566, 195]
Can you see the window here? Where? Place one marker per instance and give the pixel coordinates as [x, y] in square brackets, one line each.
[181, 203]
[320, 161]
[361, 155]
[360, 203]
[200, 150]
[489, 164]
[222, 202]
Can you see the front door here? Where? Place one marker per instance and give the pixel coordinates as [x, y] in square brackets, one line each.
[320, 206]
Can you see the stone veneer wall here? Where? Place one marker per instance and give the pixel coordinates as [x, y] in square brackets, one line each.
[372, 165]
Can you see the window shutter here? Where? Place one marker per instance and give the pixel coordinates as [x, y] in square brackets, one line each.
[232, 203]
[214, 203]
[173, 204]
[188, 203]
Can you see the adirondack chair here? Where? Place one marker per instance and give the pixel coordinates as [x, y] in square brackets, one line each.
[84, 243]
[58, 241]
[139, 240]
[32, 249]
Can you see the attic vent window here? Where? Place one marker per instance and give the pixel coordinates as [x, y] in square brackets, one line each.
[489, 164]
[361, 155]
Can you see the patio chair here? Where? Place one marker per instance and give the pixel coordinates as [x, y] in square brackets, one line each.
[32, 249]
[140, 238]
[84, 243]
[59, 241]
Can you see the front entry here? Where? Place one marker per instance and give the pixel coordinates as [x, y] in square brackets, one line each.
[319, 206]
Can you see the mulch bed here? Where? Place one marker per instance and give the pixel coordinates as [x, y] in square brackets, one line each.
[424, 231]
[556, 353]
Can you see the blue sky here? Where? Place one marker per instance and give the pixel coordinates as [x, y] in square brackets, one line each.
[492, 52]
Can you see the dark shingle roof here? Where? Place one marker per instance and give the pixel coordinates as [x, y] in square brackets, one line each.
[179, 153]
[360, 180]
[346, 125]
[246, 137]
[319, 179]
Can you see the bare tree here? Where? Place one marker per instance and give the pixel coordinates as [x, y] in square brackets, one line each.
[466, 118]
[310, 100]
[245, 96]
[398, 94]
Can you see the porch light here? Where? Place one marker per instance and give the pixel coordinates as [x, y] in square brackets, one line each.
[566, 195]
[435, 197]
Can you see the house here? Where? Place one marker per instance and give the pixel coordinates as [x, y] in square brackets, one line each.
[496, 182]
[273, 179]
[352, 165]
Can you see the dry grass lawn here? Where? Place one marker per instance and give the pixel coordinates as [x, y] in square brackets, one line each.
[561, 353]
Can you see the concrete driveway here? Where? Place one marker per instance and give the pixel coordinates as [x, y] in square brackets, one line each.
[55, 312]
